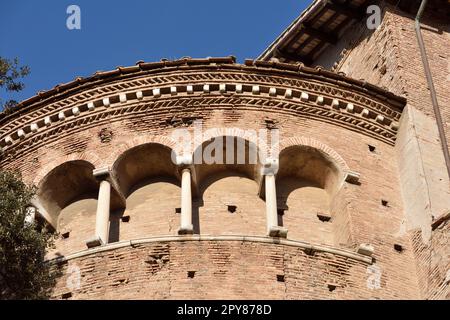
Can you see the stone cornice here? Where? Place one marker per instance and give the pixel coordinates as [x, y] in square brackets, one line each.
[293, 89]
[240, 238]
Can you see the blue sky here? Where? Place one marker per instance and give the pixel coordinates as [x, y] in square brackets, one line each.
[119, 33]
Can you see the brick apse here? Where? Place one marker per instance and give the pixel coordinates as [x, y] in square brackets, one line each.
[347, 213]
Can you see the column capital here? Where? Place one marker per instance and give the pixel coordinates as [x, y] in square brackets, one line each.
[270, 166]
[105, 174]
[184, 161]
[102, 173]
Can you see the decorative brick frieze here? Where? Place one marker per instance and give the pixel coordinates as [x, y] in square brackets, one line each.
[304, 96]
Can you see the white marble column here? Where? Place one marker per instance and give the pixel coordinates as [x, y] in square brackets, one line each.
[269, 171]
[101, 236]
[103, 208]
[271, 202]
[186, 203]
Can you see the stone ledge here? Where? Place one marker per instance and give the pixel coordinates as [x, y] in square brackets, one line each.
[242, 238]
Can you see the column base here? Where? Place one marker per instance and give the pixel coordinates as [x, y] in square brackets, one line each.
[278, 232]
[186, 230]
[94, 242]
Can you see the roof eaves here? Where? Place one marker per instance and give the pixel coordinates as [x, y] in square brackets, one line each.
[314, 7]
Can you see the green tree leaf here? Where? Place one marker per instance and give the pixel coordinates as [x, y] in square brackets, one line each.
[24, 273]
[10, 75]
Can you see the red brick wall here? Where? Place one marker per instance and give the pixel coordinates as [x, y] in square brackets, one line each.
[361, 216]
[223, 270]
[215, 219]
[151, 211]
[303, 204]
[76, 223]
[358, 215]
[434, 262]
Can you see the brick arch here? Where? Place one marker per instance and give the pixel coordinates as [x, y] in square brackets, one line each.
[258, 143]
[318, 145]
[54, 194]
[135, 146]
[88, 156]
[121, 148]
[230, 132]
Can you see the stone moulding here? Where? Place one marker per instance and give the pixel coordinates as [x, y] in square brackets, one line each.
[293, 89]
[300, 244]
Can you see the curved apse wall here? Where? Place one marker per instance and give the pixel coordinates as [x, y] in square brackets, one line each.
[114, 132]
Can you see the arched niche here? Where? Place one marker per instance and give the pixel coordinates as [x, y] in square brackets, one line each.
[227, 153]
[68, 193]
[228, 201]
[143, 162]
[308, 182]
[311, 164]
[150, 182]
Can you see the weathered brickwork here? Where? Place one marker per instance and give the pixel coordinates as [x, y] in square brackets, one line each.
[352, 130]
[150, 211]
[390, 57]
[76, 224]
[214, 212]
[434, 275]
[223, 269]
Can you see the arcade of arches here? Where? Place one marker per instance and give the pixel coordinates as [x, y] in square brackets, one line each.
[145, 194]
